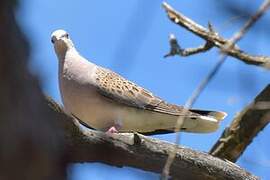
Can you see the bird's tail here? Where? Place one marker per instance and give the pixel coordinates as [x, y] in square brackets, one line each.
[218, 115]
[207, 121]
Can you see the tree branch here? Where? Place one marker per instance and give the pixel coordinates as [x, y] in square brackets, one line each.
[29, 146]
[209, 35]
[224, 51]
[245, 126]
[177, 50]
[138, 151]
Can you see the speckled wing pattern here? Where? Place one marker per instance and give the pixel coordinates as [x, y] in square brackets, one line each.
[117, 88]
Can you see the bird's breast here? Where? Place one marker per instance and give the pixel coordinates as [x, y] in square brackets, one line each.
[86, 103]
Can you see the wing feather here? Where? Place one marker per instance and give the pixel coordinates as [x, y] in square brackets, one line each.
[121, 90]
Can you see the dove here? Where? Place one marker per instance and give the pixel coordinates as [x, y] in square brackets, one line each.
[104, 100]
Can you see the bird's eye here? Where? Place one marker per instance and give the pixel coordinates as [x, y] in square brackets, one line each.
[67, 36]
[52, 40]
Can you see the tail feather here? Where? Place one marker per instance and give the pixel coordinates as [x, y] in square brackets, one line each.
[218, 115]
[207, 121]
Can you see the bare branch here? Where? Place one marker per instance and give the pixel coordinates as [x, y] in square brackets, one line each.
[177, 50]
[215, 38]
[225, 50]
[138, 151]
[245, 126]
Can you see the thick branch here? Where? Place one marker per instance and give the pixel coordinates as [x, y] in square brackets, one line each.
[245, 126]
[214, 38]
[29, 148]
[134, 150]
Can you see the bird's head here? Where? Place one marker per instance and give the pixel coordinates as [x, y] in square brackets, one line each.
[61, 41]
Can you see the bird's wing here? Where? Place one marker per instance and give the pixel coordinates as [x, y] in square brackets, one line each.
[118, 89]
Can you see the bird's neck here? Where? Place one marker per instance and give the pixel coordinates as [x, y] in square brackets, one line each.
[65, 57]
[71, 62]
[63, 52]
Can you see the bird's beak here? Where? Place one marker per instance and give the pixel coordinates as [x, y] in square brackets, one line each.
[54, 39]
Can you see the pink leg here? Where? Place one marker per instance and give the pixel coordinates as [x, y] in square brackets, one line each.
[112, 130]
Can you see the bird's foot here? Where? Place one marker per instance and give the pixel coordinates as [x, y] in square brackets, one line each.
[112, 130]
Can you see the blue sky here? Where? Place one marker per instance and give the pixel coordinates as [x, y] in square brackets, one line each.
[131, 37]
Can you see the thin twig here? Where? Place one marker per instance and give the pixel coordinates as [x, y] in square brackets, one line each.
[215, 38]
[177, 50]
[230, 44]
